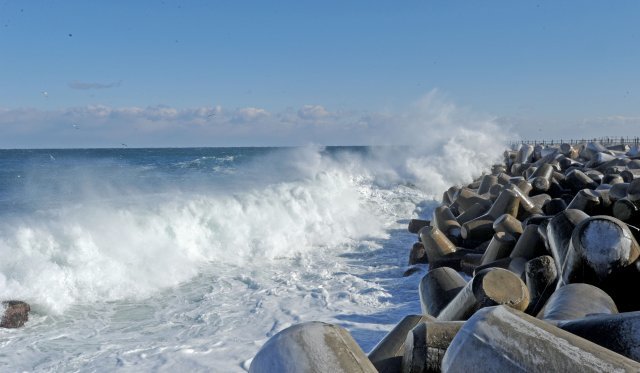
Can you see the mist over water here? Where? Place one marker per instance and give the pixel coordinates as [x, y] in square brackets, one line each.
[166, 258]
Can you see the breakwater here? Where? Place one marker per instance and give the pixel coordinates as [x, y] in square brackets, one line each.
[532, 267]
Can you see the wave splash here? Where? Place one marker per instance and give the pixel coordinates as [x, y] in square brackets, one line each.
[106, 250]
[131, 244]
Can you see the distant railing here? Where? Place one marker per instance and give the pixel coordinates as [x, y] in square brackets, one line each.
[602, 140]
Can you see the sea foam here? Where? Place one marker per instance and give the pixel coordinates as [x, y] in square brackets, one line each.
[168, 259]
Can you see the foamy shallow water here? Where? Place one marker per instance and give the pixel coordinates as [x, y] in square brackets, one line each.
[167, 261]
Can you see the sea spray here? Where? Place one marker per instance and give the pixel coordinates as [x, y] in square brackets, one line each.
[192, 258]
[100, 251]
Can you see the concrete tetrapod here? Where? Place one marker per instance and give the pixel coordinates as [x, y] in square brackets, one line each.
[530, 245]
[416, 224]
[626, 210]
[541, 178]
[541, 278]
[612, 178]
[467, 198]
[559, 232]
[524, 154]
[603, 252]
[554, 206]
[618, 191]
[489, 287]
[585, 200]
[311, 347]
[500, 247]
[629, 175]
[386, 356]
[470, 262]
[575, 301]
[426, 345]
[437, 288]
[633, 191]
[444, 220]
[578, 180]
[508, 224]
[472, 212]
[436, 243]
[619, 333]
[481, 228]
[527, 205]
[487, 182]
[501, 339]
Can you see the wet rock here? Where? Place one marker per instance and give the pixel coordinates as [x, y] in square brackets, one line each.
[16, 313]
[418, 254]
[411, 271]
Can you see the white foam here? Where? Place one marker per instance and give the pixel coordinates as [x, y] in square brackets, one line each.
[132, 277]
[100, 251]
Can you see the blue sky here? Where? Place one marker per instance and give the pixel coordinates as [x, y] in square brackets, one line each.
[160, 70]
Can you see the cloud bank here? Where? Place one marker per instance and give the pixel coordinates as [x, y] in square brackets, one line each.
[105, 126]
[430, 120]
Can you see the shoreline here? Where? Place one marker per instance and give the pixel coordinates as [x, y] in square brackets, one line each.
[549, 242]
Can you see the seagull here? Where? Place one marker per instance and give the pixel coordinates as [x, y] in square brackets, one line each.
[45, 93]
[52, 157]
[124, 145]
[211, 115]
[76, 126]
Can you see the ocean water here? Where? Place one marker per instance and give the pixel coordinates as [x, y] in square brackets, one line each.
[167, 259]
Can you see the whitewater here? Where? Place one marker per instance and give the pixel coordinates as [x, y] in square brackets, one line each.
[167, 259]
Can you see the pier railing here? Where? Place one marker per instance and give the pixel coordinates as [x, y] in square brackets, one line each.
[622, 140]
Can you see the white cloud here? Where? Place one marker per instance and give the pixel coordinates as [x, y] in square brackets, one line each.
[249, 114]
[313, 112]
[428, 122]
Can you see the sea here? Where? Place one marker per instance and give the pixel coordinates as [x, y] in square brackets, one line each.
[192, 258]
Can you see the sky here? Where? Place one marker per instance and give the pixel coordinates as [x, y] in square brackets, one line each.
[257, 73]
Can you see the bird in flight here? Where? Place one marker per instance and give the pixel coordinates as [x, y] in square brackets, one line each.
[45, 93]
[76, 126]
[124, 145]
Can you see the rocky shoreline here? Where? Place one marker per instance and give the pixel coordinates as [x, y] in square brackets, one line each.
[532, 267]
